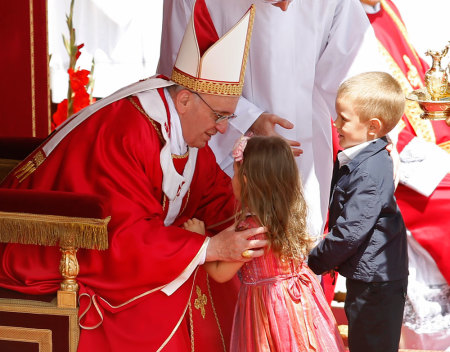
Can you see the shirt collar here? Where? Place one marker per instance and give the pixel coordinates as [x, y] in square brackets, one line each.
[177, 144]
[371, 9]
[349, 154]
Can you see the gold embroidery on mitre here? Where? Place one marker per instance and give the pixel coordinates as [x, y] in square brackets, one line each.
[218, 88]
[26, 170]
[423, 128]
[413, 74]
[201, 301]
[208, 87]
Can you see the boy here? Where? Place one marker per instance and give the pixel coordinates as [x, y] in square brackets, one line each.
[366, 242]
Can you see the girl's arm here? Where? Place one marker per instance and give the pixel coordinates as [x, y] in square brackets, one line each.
[222, 271]
[218, 270]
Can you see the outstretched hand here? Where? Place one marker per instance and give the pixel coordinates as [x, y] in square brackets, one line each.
[229, 244]
[265, 126]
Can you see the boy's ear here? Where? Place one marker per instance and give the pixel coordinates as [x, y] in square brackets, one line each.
[375, 126]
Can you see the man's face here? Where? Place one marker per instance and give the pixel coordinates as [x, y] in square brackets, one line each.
[349, 126]
[198, 121]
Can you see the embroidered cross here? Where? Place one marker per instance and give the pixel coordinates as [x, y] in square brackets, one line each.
[201, 301]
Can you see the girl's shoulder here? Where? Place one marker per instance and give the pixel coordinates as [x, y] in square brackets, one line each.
[249, 222]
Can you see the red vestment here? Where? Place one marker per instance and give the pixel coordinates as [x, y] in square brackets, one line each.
[116, 153]
[424, 216]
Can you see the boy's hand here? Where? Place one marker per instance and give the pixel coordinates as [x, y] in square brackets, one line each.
[195, 225]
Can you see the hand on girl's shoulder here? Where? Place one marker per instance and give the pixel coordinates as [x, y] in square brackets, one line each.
[248, 223]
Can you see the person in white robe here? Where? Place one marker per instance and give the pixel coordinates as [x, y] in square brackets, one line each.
[297, 60]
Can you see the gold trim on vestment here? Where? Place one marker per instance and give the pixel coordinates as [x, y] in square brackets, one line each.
[153, 122]
[182, 317]
[27, 169]
[215, 314]
[93, 301]
[201, 301]
[423, 128]
[174, 156]
[52, 230]
[183, 156]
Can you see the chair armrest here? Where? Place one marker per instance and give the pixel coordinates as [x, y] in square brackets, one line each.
[53, 217]
[50, 218]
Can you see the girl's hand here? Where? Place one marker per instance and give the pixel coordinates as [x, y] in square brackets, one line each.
[195, 225]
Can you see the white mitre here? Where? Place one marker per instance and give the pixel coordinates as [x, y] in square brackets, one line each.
[209, 64]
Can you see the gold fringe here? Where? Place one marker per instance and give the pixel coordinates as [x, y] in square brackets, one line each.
[52, 230]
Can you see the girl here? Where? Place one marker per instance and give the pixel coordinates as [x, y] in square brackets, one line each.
[281, 306]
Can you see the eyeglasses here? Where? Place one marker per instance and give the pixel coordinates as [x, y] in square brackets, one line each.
[219, 117]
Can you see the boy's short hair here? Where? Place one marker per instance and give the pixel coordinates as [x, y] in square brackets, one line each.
[375, 95]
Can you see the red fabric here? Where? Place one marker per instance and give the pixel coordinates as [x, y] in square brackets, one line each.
[116, 153]
[428, 221]
[53, 203]
[424, 217]
[392, 38]
[24, 91]
[204, 27]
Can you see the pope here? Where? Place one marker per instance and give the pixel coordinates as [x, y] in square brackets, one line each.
[145, 149]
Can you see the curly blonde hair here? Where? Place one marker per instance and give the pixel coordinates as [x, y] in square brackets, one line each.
[271, 190]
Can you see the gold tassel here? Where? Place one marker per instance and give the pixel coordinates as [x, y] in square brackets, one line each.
[53, 230]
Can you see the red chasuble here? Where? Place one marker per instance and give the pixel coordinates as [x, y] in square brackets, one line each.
[425, 217]
[116, 153]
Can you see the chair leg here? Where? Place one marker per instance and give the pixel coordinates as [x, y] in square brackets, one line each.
[69, 268]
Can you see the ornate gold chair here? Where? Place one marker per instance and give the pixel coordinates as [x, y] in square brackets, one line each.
[50, 218]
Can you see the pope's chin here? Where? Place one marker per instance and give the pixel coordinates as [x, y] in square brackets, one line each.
[198, 143]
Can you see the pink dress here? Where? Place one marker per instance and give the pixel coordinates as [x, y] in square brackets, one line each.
[281, 307]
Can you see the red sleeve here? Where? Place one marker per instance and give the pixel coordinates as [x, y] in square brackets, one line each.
[115, 153]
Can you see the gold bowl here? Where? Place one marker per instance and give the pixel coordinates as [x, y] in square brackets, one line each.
[432, 109]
